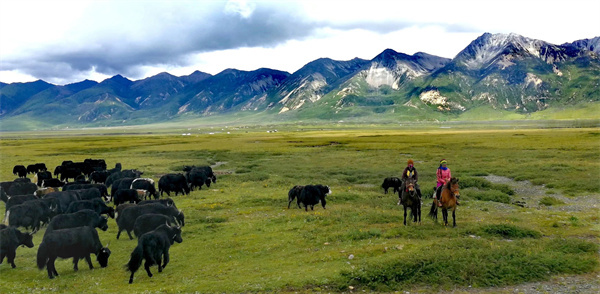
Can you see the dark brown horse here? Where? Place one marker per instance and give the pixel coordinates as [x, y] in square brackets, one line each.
[410, 199]
[449, 195]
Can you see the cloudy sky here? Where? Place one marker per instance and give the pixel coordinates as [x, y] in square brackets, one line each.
[68, 41]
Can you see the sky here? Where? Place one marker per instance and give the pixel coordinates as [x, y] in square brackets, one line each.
[64, 42]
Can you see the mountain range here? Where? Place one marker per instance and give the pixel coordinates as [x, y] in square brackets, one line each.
[506, 72]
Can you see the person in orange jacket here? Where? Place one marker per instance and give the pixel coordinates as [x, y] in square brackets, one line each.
[411, 172]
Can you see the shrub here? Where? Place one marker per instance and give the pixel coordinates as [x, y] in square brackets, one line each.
[490, 195]
[509, 231]
[549, 201]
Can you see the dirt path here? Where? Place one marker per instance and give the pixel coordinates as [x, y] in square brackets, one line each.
[531, 195]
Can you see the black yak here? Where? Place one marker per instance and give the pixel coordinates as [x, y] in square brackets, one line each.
[154, 248]
[76, 243]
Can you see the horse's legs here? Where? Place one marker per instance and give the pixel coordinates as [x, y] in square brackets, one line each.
[454, 218]
[405, 215]
[445, 216]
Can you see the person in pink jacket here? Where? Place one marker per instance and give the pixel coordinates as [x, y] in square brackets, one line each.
[443, 176]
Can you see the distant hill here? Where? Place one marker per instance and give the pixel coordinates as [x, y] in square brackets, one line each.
[505, 72]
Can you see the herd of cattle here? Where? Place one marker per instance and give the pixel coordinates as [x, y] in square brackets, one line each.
[74, 210]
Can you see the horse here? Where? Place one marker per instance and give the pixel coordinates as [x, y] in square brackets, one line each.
[449, 195]
[410, 198]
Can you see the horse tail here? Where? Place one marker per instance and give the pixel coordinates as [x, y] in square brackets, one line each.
[42, 256]
[433, 211]
[136, 259]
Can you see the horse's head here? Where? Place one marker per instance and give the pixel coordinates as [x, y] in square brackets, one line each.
[453, 185]
[410, 184]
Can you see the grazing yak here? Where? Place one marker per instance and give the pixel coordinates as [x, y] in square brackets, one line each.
[154, 248]
[96, 205]
[99, 177]
[78, 186]
[39, 177]
[120, 184]
[10, 239]
[126, 195]
[311, 195]
[165, 202]
[56, 183]
[77, 243]
[18, 199]
[173, 183]
[206, 169]
[21, 188]
[293, 194]
[86, 217]
[145, 184]
[392, 182]
[126, 219]
[197, 177]
[32, 214]
[148, 222]
[35, 168]
[64, 199]
[20, 171]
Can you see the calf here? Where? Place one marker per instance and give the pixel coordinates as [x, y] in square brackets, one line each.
[293, 194]
[76, 243]
[173, 183]
[86, 217]
[126, 219]
[96, 205]
[126, 195]
[148, 222]
[392, 182]
[312, 195]
[10, 239]
[44, 191]
[154, 248]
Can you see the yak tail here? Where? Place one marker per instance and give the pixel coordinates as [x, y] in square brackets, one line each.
[42, 256]
[433, 211]
[136, 259]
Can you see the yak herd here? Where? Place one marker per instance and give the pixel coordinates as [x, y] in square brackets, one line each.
[73, 210]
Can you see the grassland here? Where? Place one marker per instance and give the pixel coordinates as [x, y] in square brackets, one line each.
[240, 236]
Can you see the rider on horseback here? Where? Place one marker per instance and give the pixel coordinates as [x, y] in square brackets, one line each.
[410, 172]
[443, 176]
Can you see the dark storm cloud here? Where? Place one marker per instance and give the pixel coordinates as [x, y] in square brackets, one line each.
[123, 37]
[167, 39]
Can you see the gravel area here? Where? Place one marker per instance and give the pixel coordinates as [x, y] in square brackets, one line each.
[529, 196]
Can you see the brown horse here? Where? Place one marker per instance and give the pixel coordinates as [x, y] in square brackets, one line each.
[449, 195]
[410, 198]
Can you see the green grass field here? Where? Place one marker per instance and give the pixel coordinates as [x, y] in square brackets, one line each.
[240, 237]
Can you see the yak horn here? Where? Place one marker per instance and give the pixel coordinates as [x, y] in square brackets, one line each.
[167, 223]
